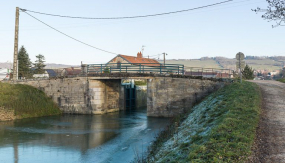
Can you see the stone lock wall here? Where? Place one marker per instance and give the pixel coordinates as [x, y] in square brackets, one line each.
[141, 97]
[167, 97]
[82, 96]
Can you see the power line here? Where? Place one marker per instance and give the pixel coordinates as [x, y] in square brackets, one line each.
[70, 36]
[129, 17]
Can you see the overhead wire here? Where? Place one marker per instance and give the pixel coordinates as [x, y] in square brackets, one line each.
[70, 36]
[129, 17]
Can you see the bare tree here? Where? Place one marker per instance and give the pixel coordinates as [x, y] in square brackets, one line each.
[274, 12]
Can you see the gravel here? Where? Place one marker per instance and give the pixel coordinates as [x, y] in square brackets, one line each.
[270, 141]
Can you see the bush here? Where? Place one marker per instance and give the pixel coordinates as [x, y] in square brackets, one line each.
[26, 101]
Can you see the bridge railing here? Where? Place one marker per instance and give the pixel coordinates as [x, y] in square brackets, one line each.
[208, 72]
[135, 68]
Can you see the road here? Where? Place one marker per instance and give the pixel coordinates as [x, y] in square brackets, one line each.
[270, 141]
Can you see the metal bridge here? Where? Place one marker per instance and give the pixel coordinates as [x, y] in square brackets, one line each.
[135, 68]
[155, 68]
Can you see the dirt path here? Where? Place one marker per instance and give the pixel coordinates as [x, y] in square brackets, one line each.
[270, 142]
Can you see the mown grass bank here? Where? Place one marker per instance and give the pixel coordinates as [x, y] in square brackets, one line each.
[282, 80]
[219, 129]
[25, 101]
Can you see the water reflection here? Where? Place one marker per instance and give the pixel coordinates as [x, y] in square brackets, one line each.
[115, 137]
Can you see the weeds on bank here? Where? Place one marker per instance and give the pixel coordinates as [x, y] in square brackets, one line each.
[26, 101]
[281, 80]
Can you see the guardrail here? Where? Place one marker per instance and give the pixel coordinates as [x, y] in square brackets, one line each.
[208, 72]
[135, 68]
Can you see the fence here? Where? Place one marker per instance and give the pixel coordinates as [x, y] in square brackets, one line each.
[208, 72]
[135, 68]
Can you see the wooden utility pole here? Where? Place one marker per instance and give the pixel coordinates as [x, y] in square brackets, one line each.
[15, 65]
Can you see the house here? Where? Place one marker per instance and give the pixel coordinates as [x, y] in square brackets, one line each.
[4, 73]
[72, 71]
[134, 60]
[51, 73]
[43, 75]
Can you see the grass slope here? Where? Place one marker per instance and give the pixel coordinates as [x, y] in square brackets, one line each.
[219, 129]
[26, 101]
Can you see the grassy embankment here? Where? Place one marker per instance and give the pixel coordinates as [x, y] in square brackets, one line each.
[282, 80]
[219, 129]
[25, 101]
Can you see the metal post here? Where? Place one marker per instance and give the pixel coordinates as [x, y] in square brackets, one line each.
[178, 70]
[160, 68]
[15, 67]
[164, 58]
[140, 68]
[101, 68]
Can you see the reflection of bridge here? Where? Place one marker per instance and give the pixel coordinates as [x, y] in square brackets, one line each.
[167, 95]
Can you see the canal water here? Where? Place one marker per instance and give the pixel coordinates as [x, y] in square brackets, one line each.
[110, 138]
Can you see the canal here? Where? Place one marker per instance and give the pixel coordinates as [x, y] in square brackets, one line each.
[110, 138]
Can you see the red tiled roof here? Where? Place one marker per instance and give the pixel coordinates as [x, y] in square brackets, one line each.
[149, 62]
[72, 71]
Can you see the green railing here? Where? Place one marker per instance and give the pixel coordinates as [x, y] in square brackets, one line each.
[135, 68]
[208, 72]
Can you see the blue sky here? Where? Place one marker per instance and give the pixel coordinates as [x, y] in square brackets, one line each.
[217, 31]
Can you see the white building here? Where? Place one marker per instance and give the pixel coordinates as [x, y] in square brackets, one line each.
[44, 75]
[4, 73]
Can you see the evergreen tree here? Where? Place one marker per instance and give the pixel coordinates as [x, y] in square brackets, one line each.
[24, 64]
[39, 64]
[247, 73]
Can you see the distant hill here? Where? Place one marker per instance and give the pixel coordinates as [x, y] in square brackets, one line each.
[256, 62]
[6, 65]
[48, 65]
[55, 66]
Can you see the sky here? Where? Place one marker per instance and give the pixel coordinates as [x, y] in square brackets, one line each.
[222, 30]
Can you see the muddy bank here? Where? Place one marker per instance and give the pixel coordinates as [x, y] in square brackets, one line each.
[7, 115]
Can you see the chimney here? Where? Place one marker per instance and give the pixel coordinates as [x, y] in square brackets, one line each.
[139, 55]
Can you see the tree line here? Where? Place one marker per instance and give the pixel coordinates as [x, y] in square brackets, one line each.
[26, 68]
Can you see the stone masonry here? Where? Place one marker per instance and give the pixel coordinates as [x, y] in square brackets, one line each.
[167, 97]
[82, 95]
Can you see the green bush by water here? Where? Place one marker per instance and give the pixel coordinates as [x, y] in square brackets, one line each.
[26, 101]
